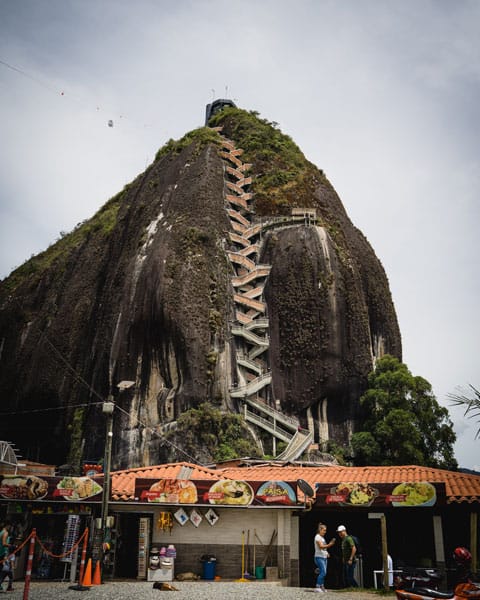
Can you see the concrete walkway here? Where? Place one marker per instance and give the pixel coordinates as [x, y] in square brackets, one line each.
[200, 590]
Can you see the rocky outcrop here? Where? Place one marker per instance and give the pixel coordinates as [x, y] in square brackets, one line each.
[146, 291]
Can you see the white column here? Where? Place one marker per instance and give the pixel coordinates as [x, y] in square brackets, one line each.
[438, 539]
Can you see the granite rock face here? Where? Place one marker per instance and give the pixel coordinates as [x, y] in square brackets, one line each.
[142, 292]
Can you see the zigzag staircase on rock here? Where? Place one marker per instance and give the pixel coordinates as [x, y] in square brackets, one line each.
[251, 325]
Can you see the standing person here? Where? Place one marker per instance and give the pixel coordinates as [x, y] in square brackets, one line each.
[7, 568]
[321, 556]
[348, 556]
[4, 540]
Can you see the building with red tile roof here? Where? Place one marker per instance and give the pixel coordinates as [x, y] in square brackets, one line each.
[459, 487]
[201, 511]
[424, 533]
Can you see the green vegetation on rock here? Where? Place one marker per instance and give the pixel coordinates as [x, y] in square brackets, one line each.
[283, 177]
[201, 137]
[221, 435]
[101, 224]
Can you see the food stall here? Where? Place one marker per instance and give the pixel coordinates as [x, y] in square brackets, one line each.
[213, 525]
[58, 508]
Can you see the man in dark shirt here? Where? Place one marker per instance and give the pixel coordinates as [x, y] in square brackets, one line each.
[348, 556]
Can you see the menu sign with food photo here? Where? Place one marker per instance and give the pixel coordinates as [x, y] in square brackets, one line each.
[418, 493]
[58, 489]
[77, 488]
[224, 492]
[276, 492]
[352, 494]
[359, 494]
[172, 491]
[23, 487]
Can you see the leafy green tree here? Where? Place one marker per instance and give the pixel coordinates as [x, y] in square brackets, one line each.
[404, 424]
[472, 405]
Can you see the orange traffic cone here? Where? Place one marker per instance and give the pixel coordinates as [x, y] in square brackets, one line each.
[96, 576]
[87, 578]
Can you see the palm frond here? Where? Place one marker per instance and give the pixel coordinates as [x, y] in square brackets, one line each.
[471, 404]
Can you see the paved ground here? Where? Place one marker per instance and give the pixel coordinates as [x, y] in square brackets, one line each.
[200, 590]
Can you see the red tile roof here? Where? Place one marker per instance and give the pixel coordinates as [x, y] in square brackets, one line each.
[123, 482]
[460, 487]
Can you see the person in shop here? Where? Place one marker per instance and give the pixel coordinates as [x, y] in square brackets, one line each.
[5, 539]
[348, 556]
[321, 556]
[8, 567]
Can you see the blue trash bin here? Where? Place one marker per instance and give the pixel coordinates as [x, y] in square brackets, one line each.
[209, 568]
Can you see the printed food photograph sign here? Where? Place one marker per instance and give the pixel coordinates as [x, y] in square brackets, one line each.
[225, 492]
[59, 489]
[407, 494]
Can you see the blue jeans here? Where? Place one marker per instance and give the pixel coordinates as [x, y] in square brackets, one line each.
[348, 570]
[322, 570]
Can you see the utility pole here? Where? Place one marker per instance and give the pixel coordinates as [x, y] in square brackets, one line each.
[107, 409]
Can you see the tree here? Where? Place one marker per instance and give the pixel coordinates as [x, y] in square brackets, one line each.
[472, 404]
[404, 424]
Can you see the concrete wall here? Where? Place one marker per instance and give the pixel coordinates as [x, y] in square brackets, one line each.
[224, 540]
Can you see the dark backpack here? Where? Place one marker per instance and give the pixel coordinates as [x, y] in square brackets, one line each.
[358, 545]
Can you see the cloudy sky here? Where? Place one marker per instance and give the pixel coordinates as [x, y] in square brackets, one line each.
[383, 95]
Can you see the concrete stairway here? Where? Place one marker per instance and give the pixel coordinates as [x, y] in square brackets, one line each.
[251, 325]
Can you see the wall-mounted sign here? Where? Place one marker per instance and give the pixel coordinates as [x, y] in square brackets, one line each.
[225, 492]
[195, 517]
[211, 516]
[60, 489]
[399, 495]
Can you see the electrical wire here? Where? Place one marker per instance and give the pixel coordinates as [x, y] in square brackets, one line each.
[80, 379]
[50, 408]
[43, 336]
[153, 431]
[77, 375]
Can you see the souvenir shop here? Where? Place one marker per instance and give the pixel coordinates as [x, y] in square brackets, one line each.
[58, 508]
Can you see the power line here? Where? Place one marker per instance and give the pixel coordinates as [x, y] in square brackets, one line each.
[153, 431]
[78, 377]
[59, 356]
[50, 408]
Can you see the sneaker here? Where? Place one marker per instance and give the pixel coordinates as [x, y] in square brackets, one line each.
[319, 589]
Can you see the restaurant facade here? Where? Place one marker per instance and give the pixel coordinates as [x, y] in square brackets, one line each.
[253, 520]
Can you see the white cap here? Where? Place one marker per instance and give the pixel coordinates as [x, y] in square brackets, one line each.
[341, 528]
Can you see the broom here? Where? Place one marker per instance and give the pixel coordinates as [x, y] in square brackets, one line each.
[242, 578]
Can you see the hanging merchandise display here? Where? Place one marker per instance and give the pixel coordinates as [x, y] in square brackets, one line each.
[165, 521]
[143, 536]
[72, 529]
